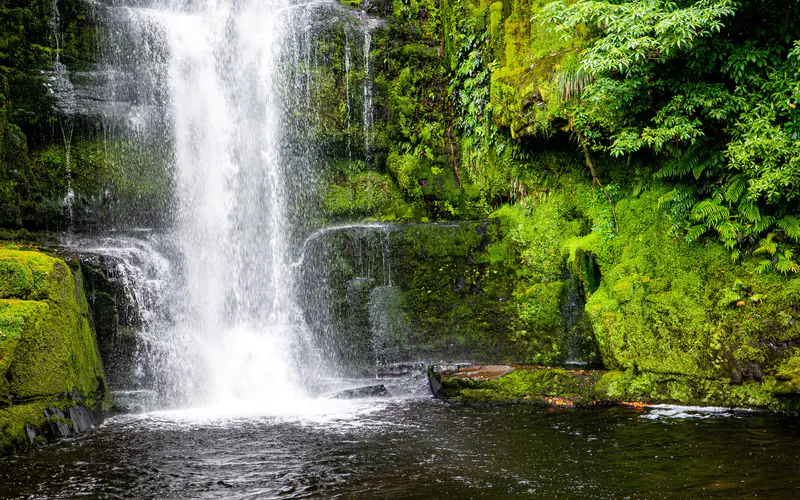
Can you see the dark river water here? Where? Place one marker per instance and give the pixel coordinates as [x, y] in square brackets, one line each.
[418, 448]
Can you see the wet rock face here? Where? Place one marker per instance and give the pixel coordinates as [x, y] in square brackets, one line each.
[418, 292]
[114, 314]
[400, 370]
[67, 423]
[372, 391]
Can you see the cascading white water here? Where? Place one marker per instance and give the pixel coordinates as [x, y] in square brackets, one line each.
[235, 94]
[235, 317]
[367, 118]
[223, 59]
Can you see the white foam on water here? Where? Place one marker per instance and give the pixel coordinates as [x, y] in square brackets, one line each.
[661, 412]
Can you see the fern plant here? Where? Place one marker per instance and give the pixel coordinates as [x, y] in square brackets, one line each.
[570, 82]
[729, 211]
[783, 262]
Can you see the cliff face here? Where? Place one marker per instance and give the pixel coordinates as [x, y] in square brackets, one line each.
[472, 129]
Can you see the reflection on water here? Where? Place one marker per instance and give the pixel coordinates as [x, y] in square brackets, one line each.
[418, 448]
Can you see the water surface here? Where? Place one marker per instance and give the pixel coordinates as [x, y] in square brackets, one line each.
[418, 448]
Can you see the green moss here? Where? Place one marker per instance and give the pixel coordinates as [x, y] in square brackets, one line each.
[521, 88]
[542, 327]
[458, 306]
[365, 195]
[31, 275]
[660, 388]
[671, 307]
[47, 346]
[532, 385]
[14, 420]
[557, 386]
[20, 423]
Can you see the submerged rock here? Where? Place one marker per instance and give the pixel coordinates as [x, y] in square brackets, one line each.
[370, 391]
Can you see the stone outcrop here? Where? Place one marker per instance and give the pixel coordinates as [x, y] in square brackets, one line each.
[51, 376]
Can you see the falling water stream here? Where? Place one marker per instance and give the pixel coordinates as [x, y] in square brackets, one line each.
[230, 68]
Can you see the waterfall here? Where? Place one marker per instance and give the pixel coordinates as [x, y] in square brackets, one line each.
[367, 91]
[137, 277]
[234, 97]
[347, 92]
[234, 71]
[224, 60]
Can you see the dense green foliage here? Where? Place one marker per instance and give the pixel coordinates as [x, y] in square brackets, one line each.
[708, 92]
[693, 95]
[641, 152]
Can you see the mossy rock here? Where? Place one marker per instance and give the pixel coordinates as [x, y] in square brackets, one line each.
[37, 422]
[671, 307]
[518, 384]
[47, 346]
[560, 387]
[656, 388]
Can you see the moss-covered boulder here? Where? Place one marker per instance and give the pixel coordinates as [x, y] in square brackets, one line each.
[499, 384]
[517, 384]
[49, 358]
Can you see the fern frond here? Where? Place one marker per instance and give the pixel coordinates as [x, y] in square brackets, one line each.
[695, 232]
[765, 223]
[785, 264]
[666, 200]
[764, 266]
[729, 232]
[736, 188]
[711, 211]
[791, 226]
[681, 197]
[698, 169]
[690, 160]
[749, 211]
[766, 245]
